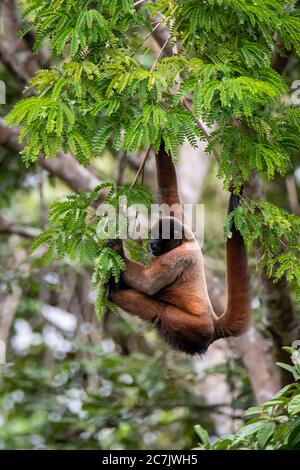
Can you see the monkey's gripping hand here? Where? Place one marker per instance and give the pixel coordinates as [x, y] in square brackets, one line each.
[117, 246]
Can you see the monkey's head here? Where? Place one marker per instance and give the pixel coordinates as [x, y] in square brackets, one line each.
[168, 233]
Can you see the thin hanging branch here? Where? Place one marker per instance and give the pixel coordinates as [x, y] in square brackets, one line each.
[153, 30]
[122, 162]
[202, 129]
[142, 165]
[146, 37]
[139, 2]
[159, 55]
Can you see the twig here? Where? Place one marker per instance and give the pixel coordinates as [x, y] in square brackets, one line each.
[202, 129]
[142, 165]
[150, 34]
[159, 55]
[122, 158]
[138, 3]
[146, 37]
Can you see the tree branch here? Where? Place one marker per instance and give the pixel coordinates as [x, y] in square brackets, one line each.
[8, 306]
[14, 51]
[63, 166]
[8, 227]
[256, 353]
[159, 55]
[292, 194]
[160, 33]
[142, 166]
[202, 129]
[18, 57]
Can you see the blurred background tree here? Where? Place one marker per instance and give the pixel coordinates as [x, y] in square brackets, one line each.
[72, 381]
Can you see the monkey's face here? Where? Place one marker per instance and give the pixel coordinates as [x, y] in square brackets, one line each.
[159, 247]
[168, 235]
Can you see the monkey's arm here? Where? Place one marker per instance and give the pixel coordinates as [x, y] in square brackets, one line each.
[161, 272]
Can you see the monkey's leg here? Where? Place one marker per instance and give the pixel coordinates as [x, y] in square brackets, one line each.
[183, 331]
[161, 271]
[138, 304]
[186, 332]
[200, 325]
[150, 309]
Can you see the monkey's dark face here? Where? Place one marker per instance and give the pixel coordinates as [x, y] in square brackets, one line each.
[159, 247]
[169, 234]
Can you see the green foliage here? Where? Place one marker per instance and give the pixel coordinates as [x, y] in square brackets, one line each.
[81, 233]
[80, 25]
[277, 426]
[134, 396]
[274, 234]
[12, 176]
[105, 92]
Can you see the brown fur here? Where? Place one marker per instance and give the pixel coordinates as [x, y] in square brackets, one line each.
[171, 291]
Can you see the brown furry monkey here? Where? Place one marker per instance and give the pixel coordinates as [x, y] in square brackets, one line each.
[171, 292]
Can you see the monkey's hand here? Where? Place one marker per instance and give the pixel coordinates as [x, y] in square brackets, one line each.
[117, 246]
